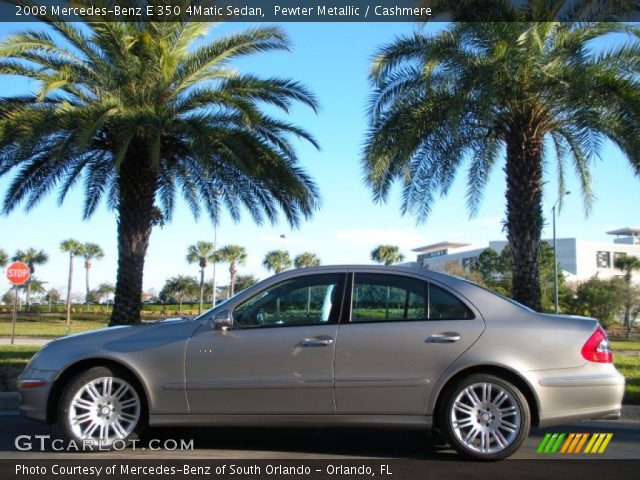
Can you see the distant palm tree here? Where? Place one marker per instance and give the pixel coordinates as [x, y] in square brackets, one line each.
[277, 261]
[387, 254]
[31, 257]
[628, 264]
[527, 89]
[90, 251]
[73, 248]
[235, 255]
[144, 111]
[306, 260]
[201, 253]
[4, 258]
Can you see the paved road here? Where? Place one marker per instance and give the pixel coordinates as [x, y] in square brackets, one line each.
[240, 443]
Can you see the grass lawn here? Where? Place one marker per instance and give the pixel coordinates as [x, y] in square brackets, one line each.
[13, 359]
[622, 345]
[51, 324]
[630, 367]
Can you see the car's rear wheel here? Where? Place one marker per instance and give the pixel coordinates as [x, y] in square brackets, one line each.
[102, 407]
[485, 417]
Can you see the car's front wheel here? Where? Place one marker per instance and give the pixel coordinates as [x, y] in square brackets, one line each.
[102, 407]
[485, 417]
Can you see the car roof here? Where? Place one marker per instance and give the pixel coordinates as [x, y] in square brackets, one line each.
[363, 268]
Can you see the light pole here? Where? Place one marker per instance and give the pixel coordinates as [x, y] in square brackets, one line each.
[555, 254]
[215, 261]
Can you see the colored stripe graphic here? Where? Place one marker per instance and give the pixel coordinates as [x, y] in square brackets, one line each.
[573, 443]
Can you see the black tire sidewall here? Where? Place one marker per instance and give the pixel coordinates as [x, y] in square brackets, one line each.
[447, 428]
[78, 382]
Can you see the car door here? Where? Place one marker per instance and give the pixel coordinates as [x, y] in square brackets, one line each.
[401, 334]
[278, 356]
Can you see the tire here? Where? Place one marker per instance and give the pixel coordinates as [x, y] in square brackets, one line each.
[102, 408]
[484, 417]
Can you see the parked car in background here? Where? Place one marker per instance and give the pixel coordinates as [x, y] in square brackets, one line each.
[329, 346]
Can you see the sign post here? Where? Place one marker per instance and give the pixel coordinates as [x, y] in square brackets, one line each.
[17, 273]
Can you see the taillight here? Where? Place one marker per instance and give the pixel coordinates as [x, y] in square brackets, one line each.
[597, 348]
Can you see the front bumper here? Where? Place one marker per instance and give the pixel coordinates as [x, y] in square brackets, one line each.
[34, 401]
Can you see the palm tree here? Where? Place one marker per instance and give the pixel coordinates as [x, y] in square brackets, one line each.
[73, 248]
[90, 251]
[235, 255]
[530, 87]
[306, 260]
[144, 111]
[202, 253]
[31, 257]
[387, 254]
[628, 264]
[277, 261]
[4, 258]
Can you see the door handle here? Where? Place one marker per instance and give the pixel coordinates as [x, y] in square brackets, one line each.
[321, 341]
[444, 337]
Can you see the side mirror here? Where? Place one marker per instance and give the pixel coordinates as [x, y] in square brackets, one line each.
[222, 321]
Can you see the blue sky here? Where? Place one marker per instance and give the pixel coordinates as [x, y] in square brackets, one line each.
[332, 59]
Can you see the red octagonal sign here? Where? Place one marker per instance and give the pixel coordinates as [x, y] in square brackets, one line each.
[18, 273]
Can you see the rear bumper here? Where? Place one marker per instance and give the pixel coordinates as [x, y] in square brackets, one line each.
[591, 392]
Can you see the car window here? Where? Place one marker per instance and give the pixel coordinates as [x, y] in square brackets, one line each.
[445, 306]
[310, 299]
[380, 297]
[383, 297]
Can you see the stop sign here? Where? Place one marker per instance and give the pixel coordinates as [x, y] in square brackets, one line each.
[18, 273]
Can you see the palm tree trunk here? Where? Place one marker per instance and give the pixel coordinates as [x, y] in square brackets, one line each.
[27, 306]
[68, 322]
[233, 271]
[86, 279]
[201, 289]
[137, 183]
[524, 210]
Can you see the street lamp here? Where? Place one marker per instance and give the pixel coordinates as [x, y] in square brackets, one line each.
[215, 249]
[555, 253]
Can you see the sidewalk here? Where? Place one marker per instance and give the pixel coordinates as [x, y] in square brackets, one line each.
[26, 340]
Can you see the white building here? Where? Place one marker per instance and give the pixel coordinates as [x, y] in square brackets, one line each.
[579, 259]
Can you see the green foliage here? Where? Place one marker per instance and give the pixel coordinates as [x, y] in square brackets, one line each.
[601, 299]
[72, 247]
[4, 258]
[180, 288]
[387, 254]
[277, 261]
[201, 253]
[92, 251]
[306, 260]
[31, 257]
[496, 272]
[245, 281]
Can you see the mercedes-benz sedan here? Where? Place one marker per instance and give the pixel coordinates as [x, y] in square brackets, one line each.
[335, 346]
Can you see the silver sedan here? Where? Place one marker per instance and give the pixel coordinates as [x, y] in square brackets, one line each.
[335, 346]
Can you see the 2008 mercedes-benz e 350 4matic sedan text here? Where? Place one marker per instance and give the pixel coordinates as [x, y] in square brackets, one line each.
[332, 346]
